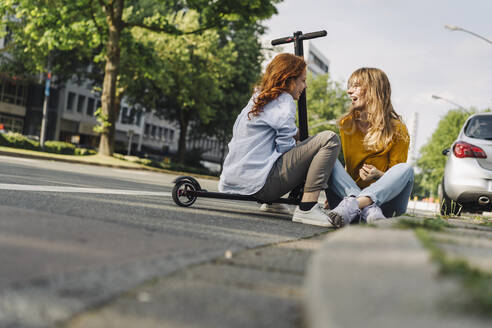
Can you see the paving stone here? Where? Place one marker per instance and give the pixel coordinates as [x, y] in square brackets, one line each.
[185, 303]
[285, 257]
[261, 287]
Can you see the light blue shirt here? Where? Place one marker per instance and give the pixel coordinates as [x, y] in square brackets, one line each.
[257, 143]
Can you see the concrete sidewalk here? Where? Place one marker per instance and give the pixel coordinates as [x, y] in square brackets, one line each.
[383, 276]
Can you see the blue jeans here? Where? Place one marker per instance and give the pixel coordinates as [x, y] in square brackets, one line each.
[390, 192]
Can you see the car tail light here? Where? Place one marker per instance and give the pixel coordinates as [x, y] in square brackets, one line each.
[463, 149]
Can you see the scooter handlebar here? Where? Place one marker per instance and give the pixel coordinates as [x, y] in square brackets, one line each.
[313, 35]
[287, 39]
[307, 36]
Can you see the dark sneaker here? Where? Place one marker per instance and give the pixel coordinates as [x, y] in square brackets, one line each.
[345, 212]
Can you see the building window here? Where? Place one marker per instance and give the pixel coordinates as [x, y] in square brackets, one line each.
[159, 133]
[90, 106]
[131, 115]
[13, 124]
[81, 104]
[123, 115]
[13, 93]
[139, 118]
[70, 101]
[126, 115]
[171, 135]
[318, 62]
[19, 100]
[153, 132]
[147, 130]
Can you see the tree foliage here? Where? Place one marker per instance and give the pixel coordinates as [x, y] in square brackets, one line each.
[184, 82]
[431, 162]
[237, 85]
[326, 102]
[100, 30]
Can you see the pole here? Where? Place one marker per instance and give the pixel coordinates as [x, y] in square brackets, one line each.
[457, 28]
[44, 121]
[130, 137]
[301, 103]
[449, 102]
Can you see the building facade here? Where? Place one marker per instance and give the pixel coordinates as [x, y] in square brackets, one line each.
[71, 117]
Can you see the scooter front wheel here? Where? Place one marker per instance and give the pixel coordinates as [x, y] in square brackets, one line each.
[181, 194]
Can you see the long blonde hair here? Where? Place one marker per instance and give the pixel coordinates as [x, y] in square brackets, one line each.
[378, 109]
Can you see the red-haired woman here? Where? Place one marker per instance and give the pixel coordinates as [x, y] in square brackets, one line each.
[264, 160]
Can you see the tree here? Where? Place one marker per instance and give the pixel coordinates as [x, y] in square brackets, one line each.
[326, 101]
[237, 85]
[45, 25]
[187, 75]
[431, 162]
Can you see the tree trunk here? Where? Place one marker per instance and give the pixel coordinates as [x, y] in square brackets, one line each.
[109, 105]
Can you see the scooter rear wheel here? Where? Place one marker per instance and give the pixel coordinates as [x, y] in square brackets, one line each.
[180, 193]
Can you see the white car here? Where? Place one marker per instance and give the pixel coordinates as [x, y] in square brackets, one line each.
[467, 180]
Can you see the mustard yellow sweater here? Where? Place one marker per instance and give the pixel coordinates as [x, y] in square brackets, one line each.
[356, 155]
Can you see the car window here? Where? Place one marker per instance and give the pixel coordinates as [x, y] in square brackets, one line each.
[479, 127]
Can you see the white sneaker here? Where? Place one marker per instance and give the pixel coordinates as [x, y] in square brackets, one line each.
[315, 216]
[275, 208]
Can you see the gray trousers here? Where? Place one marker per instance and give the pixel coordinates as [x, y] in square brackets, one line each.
[311, 160]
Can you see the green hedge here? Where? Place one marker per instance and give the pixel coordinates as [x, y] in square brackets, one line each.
[84, 151]
[17, 140]
[59, 147]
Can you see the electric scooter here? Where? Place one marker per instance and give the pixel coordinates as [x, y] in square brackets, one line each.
[187, 189]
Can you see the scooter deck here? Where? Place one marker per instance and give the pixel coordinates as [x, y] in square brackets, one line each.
[220, 195]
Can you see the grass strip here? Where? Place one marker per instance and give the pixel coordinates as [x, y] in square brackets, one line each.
[486, 224]
[436, 224]
[477, 284]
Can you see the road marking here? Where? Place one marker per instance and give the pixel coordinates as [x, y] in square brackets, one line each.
[20, 187]
[18, 159]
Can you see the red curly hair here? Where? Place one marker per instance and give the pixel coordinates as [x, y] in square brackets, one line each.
[278, 78]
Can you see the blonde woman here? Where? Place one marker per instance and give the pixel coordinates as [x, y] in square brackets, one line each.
[376, 182]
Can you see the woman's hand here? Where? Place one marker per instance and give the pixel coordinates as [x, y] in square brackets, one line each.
[369, 172]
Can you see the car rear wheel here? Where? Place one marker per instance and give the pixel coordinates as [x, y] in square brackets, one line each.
[448, 206]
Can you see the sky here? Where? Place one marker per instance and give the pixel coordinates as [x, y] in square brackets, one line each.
[408, 41]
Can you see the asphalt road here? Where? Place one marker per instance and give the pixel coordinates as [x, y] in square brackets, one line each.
[74, 236]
